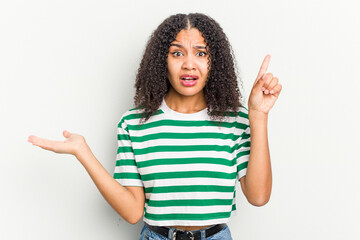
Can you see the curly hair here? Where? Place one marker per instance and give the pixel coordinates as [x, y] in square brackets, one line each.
[221, 90]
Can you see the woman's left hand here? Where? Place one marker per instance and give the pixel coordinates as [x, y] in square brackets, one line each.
[265, 91]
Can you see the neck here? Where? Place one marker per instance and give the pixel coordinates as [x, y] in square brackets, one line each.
[185, 104]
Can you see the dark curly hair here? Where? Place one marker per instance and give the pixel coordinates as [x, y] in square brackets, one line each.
[221, 90]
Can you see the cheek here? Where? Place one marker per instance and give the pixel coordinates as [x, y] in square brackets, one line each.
[205, 68]
[173, 68]
[171, 73]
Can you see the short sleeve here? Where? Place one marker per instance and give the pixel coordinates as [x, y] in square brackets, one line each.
[126, 171]
[243, 153]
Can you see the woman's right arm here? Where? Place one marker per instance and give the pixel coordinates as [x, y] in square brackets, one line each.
[128, 202]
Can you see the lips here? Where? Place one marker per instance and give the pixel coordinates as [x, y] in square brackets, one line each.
[188, 77]
[188, 80]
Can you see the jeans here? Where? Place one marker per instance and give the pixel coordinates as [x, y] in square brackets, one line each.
[147, 234]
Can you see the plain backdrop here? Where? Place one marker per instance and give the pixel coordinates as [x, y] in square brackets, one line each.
[71, 65]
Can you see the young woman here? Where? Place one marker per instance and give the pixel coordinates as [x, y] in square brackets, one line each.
[187, 141]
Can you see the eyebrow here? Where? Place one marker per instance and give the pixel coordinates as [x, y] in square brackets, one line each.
[181, 46]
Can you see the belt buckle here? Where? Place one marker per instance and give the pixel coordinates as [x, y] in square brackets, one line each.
[191, 233]
[174, 235]
[187, 233]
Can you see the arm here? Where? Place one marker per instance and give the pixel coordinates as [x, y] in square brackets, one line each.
[128, 202]
[257, 183]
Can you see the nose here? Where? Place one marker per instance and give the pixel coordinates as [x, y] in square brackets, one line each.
[188, 63]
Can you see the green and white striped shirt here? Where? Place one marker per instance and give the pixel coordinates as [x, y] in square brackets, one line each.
[188, 164]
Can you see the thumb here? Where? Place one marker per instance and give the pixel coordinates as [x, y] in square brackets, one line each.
[66, 134]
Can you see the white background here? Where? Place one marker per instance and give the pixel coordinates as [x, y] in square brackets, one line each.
[71, 65]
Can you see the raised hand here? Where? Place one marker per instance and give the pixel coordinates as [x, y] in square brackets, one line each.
[72, 145]
[265, 91]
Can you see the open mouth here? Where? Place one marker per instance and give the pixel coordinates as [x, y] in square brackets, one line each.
[188, 80]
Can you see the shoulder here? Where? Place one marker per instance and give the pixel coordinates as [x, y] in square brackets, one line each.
[134, 115]
[243, 112]
[237, 119]
[131, 114]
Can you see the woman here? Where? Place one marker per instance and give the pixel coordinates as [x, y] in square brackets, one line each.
[187, 140]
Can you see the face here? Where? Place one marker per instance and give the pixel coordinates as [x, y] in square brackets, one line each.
[188, 63]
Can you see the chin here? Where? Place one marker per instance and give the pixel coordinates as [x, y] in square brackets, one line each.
[190, 93]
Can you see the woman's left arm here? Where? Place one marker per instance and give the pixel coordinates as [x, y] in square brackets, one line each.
[257, 183]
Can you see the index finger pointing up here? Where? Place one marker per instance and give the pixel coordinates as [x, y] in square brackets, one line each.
[264, 67]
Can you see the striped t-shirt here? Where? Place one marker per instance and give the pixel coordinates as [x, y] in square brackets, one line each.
[187, 164]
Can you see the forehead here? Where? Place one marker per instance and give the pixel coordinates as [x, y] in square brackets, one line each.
[190, 35]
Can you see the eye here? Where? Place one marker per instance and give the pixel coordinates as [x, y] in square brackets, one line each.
[177, 53]
[201, 54]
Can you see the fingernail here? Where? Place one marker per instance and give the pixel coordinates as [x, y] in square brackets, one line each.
[272, 91]
[262, 89]
[266, 91]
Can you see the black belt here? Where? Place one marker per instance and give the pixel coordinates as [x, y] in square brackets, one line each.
[186, 235]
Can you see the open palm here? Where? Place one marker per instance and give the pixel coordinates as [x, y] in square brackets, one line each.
[71, 145]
